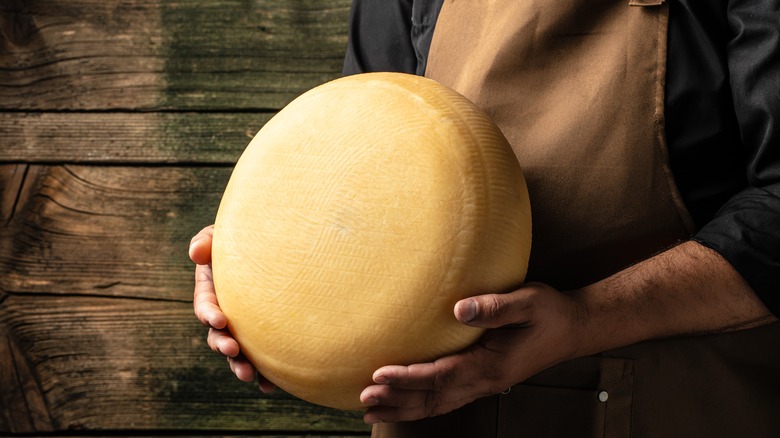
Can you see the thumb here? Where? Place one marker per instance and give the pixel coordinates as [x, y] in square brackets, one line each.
[200, 246]
[492, 310]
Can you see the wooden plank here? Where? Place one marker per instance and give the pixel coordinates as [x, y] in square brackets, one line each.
[116, 137]
[22, 405]
[198, 434]
[109, 231]
[208, 433]
[159, 54]
[11, 179]
[136, 364]
[96, 326]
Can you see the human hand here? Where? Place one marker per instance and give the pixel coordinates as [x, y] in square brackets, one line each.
[531, 329]
[687, 290]
[208, 312]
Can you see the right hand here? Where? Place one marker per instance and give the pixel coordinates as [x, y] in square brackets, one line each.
[208, 312]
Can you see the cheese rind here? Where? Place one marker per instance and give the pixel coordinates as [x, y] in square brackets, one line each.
[354, 221]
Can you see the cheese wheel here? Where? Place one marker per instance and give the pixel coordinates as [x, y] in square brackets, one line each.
[354, 221]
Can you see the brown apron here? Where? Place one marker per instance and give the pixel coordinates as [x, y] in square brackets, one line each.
[577, 86]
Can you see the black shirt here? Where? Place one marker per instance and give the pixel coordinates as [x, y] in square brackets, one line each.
[722, 110]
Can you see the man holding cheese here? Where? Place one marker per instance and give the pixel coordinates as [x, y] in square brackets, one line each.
[648, 134]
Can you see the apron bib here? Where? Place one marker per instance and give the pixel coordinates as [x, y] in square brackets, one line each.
[577, 87]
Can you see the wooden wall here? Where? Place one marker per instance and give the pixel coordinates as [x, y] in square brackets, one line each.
[120, 121]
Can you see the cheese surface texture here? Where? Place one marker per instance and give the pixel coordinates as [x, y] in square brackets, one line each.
[354, 221]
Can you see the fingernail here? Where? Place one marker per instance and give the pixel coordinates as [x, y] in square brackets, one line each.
[468, 310]
[381, 380]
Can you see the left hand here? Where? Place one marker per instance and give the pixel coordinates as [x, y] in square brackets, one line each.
[530, 329]
[207, 310]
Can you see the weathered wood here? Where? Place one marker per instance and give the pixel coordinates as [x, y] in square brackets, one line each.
[11, 180]
[115, 137]
[96, 323]
[119, 123]
[22, 405]
[206, 433]
[200, 434]
[155, 54]
[114, 231]
[134, 364]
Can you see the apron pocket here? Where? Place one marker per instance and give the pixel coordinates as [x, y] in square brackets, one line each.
[584, 398]
[540, 411]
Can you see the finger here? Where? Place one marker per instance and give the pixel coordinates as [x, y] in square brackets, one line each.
[222, 342]
[385, 414]
[416, 391]
[399, 405]
[430, 376]
[388, 414]
[205, 299]
[246, 372]
[265, 385]
[418, 377]
[242, 368]
[388, 396]
[200, 246]
[495, 310]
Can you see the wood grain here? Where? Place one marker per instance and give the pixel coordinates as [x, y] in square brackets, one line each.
[22, 405]
[134, 364]
[12, 177]
[113, 231]
[120, 121]
[123, 138]
[155, 54]
[96, 318]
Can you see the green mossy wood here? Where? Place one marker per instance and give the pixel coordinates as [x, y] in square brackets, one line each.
[120, 121]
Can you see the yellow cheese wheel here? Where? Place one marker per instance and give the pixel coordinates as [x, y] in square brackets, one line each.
[354, 221]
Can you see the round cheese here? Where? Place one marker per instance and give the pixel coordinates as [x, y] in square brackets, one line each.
[354, 221]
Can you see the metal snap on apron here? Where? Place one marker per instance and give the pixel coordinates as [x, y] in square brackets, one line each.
[577, 87]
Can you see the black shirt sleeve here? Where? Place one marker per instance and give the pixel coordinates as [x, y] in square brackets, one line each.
[746, 229]
[380, 37]
[390, 35]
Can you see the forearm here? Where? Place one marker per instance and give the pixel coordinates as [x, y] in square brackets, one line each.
[688, 289]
